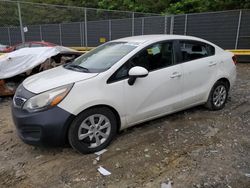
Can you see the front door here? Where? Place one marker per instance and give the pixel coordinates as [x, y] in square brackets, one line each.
[158, 93]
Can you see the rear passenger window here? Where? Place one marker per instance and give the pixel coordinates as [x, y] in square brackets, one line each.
[192, 50]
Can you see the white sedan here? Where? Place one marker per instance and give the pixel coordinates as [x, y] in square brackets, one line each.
[120, 84]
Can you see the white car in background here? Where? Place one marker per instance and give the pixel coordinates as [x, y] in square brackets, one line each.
[120, 84]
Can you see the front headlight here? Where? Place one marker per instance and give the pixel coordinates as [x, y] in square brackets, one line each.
[47, 99]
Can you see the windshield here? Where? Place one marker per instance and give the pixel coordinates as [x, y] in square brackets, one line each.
[101, 58]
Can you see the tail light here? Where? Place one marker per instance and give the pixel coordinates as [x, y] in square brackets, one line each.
[234, 59]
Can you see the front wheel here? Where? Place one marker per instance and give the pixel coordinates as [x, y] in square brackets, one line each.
[218, 96]
[92, 130]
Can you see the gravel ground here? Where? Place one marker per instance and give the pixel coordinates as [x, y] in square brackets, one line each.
[193, 148]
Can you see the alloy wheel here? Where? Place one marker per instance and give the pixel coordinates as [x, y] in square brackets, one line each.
[219, 95]
[94, 130]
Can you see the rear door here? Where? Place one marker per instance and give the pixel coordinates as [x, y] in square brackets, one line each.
[199, 68]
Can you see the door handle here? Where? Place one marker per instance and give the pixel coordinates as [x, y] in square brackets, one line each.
[175, 74]
[212, 64]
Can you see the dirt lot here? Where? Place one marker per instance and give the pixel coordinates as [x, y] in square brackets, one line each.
[192, 148]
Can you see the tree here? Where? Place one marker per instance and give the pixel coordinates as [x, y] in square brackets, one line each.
[156, 6]
[37, 14]
[193, 6]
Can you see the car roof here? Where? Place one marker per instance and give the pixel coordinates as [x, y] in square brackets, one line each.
[40, 42]
[154, 38]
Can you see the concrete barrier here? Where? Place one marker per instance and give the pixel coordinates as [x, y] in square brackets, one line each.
[86, 49]
[240, 52]
[80, 49]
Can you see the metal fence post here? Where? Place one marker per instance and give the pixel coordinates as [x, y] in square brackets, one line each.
[85, 27]
[20, 22]
[186, 22]
[41, 34]
[9, 36]
[60, 34]
[142, 26]
[81, 37]
[110, 30]
[172, 25]
[238, 31]
[133, 24]
[83, 34]
[165, 24]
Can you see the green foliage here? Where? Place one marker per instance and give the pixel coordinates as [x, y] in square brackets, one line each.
[156, 6]
[192, 6]
[37, 14]
[187, 6]
[8, 14]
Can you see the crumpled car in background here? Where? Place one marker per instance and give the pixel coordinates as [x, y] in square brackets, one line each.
[17, 65]
[2, 47]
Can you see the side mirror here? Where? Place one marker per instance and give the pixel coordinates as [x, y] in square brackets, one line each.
[136, 72]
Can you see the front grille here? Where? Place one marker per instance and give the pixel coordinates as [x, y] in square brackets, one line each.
[19, 101]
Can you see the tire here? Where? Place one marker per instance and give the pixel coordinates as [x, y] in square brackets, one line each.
[90, 124]
[218, 96]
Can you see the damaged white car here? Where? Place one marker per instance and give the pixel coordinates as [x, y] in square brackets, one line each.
[120, 84]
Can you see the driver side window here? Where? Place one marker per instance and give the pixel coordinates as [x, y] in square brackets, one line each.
[153, 57]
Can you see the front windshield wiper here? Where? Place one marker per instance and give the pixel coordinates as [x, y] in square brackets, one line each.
[76, 67]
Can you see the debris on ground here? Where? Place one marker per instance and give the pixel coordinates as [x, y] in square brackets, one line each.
[97, 158]
[118, 165]
[167, 185]
[247, 175]
[103, 171]
[94, 162]
[101, 152]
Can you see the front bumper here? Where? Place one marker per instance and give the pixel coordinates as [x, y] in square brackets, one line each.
[42, 128]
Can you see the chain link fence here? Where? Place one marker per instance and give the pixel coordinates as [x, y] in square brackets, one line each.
[78, 26]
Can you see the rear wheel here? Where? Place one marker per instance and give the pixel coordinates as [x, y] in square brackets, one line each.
[218, 96]
[92, 130]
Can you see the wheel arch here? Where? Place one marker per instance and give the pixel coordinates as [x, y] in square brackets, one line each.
[225, 80]
[208, 103]
[117, 116]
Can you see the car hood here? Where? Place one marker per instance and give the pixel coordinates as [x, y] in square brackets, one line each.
[53, 78]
